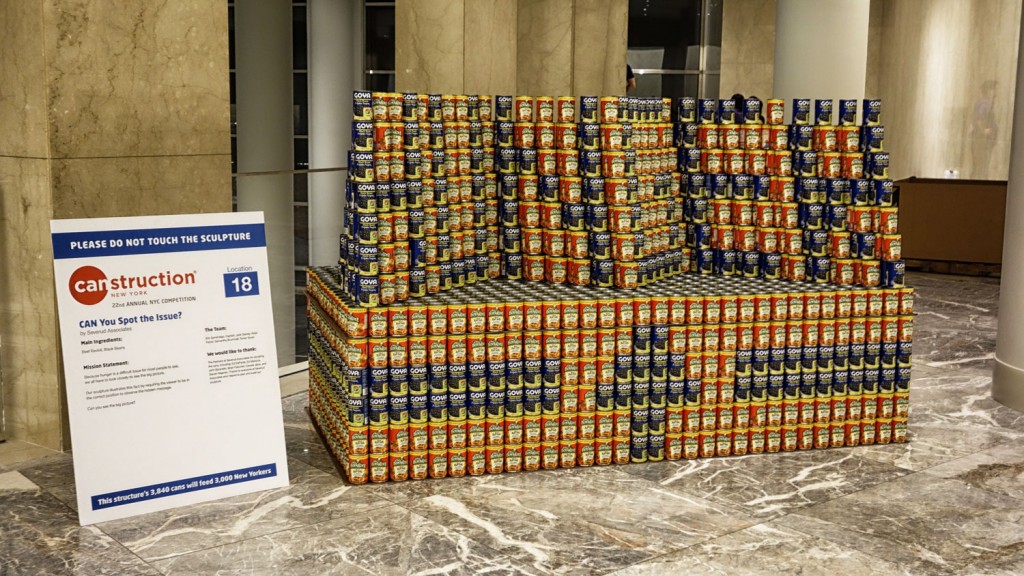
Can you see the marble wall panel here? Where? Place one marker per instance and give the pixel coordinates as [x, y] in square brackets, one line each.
[599, 47]
[429, 46]
[947, 85]
[748, 48]
[28, 322]
[22, 82]
[490, 53]
[139, 79]
[544, 52]
[103, 187]
[875, 19]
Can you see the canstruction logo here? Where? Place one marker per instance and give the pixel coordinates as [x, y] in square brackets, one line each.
[89, 285]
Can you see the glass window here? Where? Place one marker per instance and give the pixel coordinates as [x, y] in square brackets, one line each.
[231, 92]
[380, 37]
[301, 154]
[300, 103]
[668, 30]
[380, 82]
[299, 37]
[231, 37]
[711, 86]
[301, 333]
[301, 212]
[671, 85]
[673, 45]
[301, 188]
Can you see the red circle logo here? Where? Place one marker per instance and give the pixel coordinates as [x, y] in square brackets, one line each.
[88, 285]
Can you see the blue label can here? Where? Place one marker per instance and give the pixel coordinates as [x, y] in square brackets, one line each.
[872, 112]
[727, 111]
[885, 193]
[861, 192]
[802, 111]
[823, 112]
[686, 109]
[706, 111]
[847, 112]
[588, 109]
[762, 186]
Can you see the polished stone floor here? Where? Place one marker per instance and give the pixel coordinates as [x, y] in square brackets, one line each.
[949, 502]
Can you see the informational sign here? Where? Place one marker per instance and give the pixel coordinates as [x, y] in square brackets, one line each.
[169, 360]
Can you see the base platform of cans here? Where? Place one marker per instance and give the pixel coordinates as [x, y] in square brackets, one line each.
[510, 376]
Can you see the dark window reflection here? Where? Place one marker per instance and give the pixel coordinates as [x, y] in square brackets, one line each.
[380, 38]
[301, 154]
[301, 216]
[713, 23]
[667, 85]
[301, 187]
[301, 104]
[231, 37]
[380, 82]
[299, 37]
[669, 30]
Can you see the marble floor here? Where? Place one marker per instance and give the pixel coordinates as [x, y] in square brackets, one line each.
[951, 501]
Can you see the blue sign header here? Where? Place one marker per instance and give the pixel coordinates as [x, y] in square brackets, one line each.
[157, 240]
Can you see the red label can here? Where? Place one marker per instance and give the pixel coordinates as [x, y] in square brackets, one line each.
[568, 163]
[603, 452]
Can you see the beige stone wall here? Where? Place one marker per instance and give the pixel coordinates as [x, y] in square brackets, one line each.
[599, 31]
[490, 63]
[533, 47]
[748, 48]
[429, 46]
[945, 77]
[108, 110]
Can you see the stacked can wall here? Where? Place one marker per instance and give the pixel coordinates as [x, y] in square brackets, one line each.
[421, 195]
[510, 376]
[594, 202]
[506, 376]
[809, 201]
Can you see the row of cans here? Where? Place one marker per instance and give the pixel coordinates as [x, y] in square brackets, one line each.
[645, 431]
[553, 455]
[590, 190]
[779, 138]
[588, 163]
[810, 189]
[773, 112]
[383, 197]
[807, 216]
[566, 136]
[422, 197]
[510, 306]
[409, 107]
[410, 165]
[846, 165]
[849, 272]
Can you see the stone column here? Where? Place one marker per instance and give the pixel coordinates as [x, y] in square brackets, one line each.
[429, 46]
[821, 49]
[490, 47]
[107, 110]
[748, 48]
[1008, 377]
[599, 39]
[544, 58]
[263, 80]
[335, 70]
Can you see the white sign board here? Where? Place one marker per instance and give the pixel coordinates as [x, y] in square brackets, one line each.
[170, 362]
